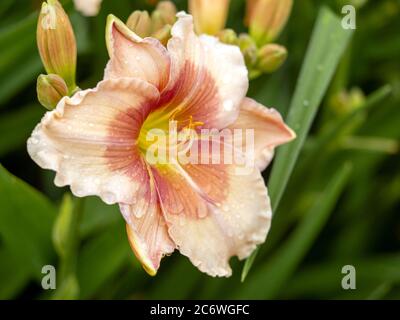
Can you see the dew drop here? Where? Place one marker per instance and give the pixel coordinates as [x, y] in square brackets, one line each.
[228, 105]
[306, 103]
[34, 141]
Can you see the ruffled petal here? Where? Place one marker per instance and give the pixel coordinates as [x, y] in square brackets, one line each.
[208, 78]
[133, 56]
[146, 228]
[269, 130]
[90, 139]
[214, 212]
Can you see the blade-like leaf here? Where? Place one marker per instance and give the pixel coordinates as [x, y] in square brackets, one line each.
[26, 219]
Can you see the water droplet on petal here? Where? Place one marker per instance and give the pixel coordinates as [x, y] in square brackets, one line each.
[228, 105]
[34, 141]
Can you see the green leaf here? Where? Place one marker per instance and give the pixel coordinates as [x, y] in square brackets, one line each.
[26, 219]
[270, 277]
[25, 120]
[98, 216]
[324, 279]
[328, 42]
[13, 275]
[182, 272]
[68, 290]
[101, 258]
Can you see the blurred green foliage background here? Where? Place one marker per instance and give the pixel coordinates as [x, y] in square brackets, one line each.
[341, 204]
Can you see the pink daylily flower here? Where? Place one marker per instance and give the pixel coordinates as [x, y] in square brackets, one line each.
[94, 141]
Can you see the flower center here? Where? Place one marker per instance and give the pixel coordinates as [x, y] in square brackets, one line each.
[162, 131]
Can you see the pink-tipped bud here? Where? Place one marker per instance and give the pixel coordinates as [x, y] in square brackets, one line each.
[56, 42]
[209, 15]
[267, 18]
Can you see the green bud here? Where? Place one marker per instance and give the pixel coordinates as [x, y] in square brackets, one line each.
[228, 36]
[50, 90]
[271, 57]
[248, 48]
[63, 227]
[345, 101]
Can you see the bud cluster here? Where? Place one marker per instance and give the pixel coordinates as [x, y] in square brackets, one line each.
[157, 25]
[265, 19]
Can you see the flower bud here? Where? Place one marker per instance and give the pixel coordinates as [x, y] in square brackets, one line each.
[228, 36]
[157, 21]
[250, 5]
[167, 11]
[248, 48]
[50, 89]
[267, 19]
[271, 57]
[209, 15]
[344, 101]
[140, 23]
[56, 42]
[163, 34]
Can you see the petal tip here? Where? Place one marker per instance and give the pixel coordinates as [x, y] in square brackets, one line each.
[144, 260]
[113, 21]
